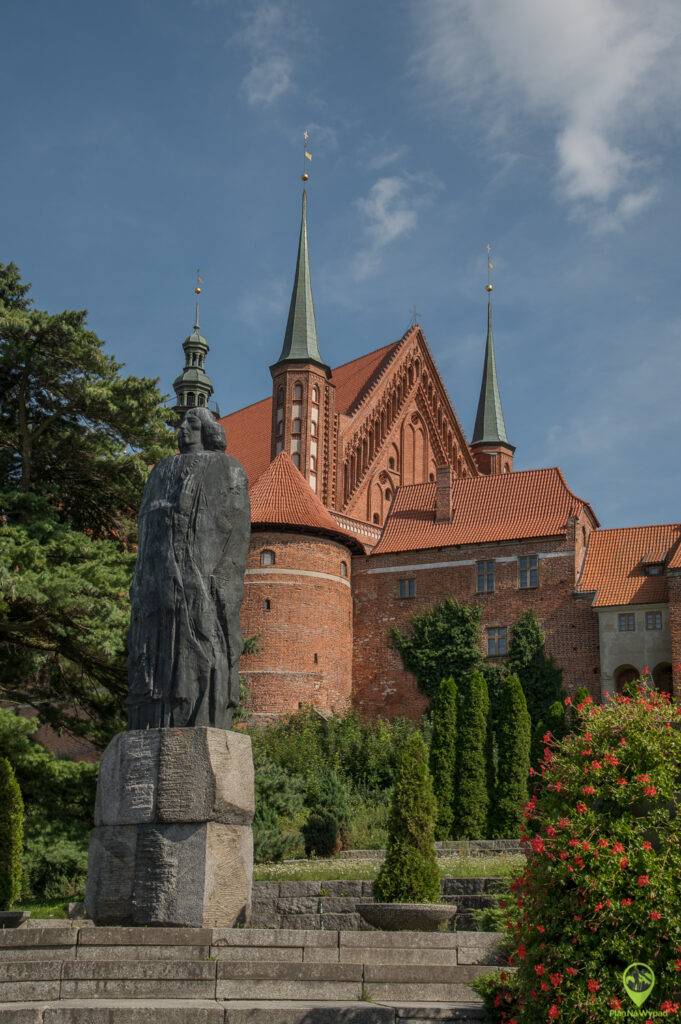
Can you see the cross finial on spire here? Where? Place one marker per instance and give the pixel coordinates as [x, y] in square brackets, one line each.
[414, 316]
[490, 267]
[197, 291]
[307, 155]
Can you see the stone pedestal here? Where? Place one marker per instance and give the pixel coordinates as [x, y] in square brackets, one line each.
[172, 843]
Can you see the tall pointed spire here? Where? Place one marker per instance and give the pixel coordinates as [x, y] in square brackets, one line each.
[489, 422]
[493, 451]
[300, 337]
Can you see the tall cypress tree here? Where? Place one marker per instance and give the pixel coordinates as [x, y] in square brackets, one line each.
[11, 836]
[472, 799]
[443, 755]
[513, 735]
[540, 677]
[410, 873]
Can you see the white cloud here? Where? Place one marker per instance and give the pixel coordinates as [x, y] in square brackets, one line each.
[384, 158]
[269, 31]
[595, 72]
[389, 212]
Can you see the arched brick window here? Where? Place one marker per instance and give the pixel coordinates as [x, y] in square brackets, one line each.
[267, 604]
[662, 677]
[267, 557]
[298, 393]
[315, 395]
[344, 569]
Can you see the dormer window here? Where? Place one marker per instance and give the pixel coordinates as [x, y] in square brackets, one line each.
[653, 569]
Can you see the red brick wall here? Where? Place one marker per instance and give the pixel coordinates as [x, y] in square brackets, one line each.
[381, 687]
[309, 615]
[674, 588]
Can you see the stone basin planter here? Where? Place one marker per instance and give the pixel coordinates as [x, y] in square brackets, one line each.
[407, 917]
[13, 918]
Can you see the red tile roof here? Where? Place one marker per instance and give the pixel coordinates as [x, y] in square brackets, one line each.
[675, 560]
[282, 497]
[614, 564]
[531, 503]
[249, 430]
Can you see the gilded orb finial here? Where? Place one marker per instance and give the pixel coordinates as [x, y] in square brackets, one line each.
[307, 155]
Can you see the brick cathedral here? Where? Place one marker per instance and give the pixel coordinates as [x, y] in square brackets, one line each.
[370, 505]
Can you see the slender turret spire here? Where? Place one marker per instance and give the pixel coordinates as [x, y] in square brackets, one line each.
[490, 441]
[300, 338]
[194, 386]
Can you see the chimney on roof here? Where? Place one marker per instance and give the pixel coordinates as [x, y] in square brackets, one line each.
[443, 494]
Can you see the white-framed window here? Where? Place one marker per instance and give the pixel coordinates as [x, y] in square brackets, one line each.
[496, 641]
[653, 620]
[267, 557]
[315, 394]
[626, 622]
[407, 588]
[485, 577]
[528, 572]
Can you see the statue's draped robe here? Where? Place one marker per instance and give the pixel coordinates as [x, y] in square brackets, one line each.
[185, 638]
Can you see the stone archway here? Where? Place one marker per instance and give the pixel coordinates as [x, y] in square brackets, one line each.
[623, 675]
[662, 677]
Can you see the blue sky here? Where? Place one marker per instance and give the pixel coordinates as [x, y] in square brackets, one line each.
[144, 139]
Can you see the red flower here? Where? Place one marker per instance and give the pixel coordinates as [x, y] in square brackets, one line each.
[618, 848]
[580, 807]
[647, 845]
[677, 965]
[564, 822]
[537, 845]
[521, 952]
[624, 864]
[642, 881]
[604, 843]
[626, 902]
[611, 759]
[650, 791]
[539, 969]
[593, 985]
[643, 778]
[669, 1007]
[554, 1012]
[589, 790]
[596, 765]
[655, 915]
[622, 782]
[568, 702]
[551, 831]
[555, 979]
[571, 971]
[615, 1003]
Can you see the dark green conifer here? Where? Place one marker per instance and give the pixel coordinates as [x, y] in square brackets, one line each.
[513, 736]
[472, 799]
[410, 873]
[443, 755]
[11, 836]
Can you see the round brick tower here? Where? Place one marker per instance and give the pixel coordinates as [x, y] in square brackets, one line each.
[297, 599]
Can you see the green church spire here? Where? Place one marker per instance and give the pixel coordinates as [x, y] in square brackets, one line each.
[489, 422]
[300, 339]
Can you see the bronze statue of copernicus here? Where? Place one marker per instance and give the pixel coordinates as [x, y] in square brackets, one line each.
[185, 639]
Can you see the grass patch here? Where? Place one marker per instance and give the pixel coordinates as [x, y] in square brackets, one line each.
[337, 869]
[46, 908]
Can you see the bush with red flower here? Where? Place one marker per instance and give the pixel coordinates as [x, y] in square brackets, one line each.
[602, 886]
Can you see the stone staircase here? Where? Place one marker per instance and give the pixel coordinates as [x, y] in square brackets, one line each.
[92, 975]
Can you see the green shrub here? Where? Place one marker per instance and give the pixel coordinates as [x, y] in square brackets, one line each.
[601, 887]
[540, 677]
[368, 821]
[471, 762]
[410, 873]
[11, 836]
[513, 768]
[443, 755]
[325, 831]
[444, 641]
[278, 803]
[59, 796]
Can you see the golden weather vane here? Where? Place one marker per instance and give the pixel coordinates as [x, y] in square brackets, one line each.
[490, 267]
[198, 288]
[307, 155]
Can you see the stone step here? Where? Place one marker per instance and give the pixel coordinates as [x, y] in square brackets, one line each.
[169, 1011]
[227, 980]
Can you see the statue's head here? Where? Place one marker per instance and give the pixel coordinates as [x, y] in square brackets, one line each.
[200, 432]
